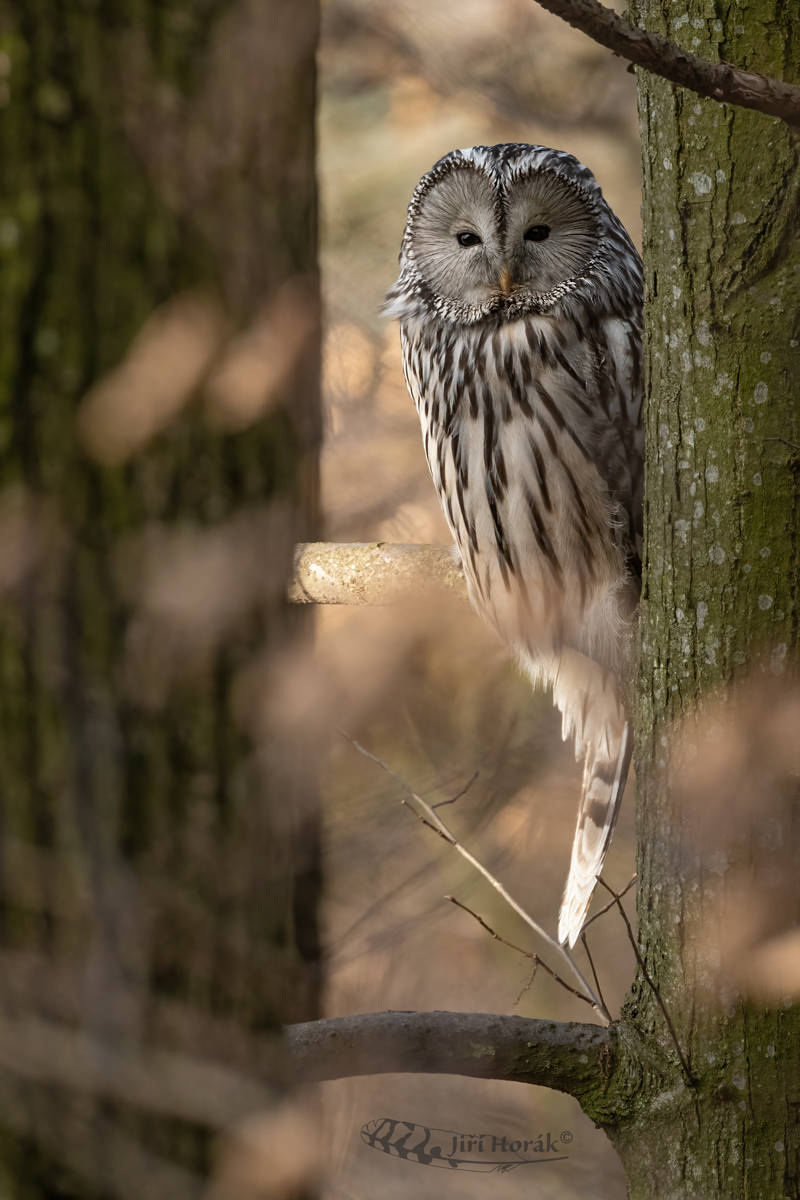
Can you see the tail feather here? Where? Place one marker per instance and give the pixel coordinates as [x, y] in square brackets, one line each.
[603, 784]
[587, 696]
[592, 713]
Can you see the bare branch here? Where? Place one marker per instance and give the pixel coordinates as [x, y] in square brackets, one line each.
[458, 795]
[684, 1064]
[569, 1057]
[529, 984]
[594, 972]
[611, 904]
[435, 822]
[717, 81]
[374, 573]
[539, 962]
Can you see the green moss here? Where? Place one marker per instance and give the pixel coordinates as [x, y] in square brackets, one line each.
[720, 593]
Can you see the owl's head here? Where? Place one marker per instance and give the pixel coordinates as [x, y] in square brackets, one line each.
[505, 230]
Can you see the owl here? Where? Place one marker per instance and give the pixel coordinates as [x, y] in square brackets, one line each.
[520, 309]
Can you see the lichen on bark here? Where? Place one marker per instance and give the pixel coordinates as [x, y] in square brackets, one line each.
[720, 602]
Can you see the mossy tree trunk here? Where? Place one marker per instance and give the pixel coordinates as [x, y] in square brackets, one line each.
[720, 601]
[158, 847]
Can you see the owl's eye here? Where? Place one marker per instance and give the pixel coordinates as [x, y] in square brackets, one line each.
[537, 233]
[467, 238]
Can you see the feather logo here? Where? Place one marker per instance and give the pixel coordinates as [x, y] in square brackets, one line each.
[465, 1151]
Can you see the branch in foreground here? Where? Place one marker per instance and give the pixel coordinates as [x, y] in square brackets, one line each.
[611, 904]
[434, 821]
[534, 958]
[717, 81]
[684, 1064]
[374, 573]
[569, 1057]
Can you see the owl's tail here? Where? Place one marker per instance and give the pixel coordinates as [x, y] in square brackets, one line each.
[588, 699]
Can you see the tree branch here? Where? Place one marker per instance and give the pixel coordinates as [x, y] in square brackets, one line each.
[534, 958]
[570, 1057]
[717, 81]
[687, 1071]
[373, 573]
[434, 821]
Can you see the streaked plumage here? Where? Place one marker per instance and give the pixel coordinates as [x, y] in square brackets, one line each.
[522, 352]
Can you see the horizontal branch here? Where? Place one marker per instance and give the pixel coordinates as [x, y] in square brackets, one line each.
[374, 573]
[569, 1057]
[717, 81]
[429, 817]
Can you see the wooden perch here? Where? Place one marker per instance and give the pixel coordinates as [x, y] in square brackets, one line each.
[374, 573]
[568, 1056]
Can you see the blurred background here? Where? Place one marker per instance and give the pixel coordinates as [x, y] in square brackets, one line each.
[428, 689]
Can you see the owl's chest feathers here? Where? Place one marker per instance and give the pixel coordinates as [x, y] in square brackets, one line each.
[529, 369]
[514, 418]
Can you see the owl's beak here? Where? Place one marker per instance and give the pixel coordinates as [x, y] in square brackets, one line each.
[504, 281]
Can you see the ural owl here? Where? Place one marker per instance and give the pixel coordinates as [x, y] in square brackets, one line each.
[520, 308]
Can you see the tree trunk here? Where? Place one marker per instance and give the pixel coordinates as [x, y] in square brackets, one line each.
[720, 600]
[158, 844]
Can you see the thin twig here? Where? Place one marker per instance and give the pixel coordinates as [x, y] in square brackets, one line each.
[528, 985]
[721, 81]
[794, 445]
[458, 795]
[684, 1064]
[528, 954]
[435, 822]
[610, 904]
[594, 972]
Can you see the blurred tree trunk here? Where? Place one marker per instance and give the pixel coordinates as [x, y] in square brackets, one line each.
[158, 841]
[722, 269]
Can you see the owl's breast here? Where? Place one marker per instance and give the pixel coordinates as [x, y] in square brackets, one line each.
[521, 427]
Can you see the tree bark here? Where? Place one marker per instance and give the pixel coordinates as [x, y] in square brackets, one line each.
[720, 81]
[157, 188]
[722, 271]
[569, 1057]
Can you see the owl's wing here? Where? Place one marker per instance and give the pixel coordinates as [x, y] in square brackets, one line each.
[587, 696]
[618, 447]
